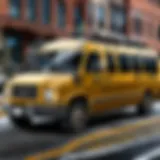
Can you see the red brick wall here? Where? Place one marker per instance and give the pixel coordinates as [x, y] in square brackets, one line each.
[37, 29]
[41, 29]
[150, 14]
[3, 7]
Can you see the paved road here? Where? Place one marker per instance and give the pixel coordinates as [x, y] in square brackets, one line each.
[146, 150]
[136, 152]
[16, 144]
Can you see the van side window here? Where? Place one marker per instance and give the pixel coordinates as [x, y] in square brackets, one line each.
[65, 62]
[110, 62]
[93, 63]
[124, 63]
[151, 65]
[136, 64]
[148, 64]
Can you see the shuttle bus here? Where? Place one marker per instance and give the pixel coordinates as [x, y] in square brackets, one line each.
[85, 78]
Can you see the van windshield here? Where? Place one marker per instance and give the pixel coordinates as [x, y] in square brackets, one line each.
[64, 62]
[43, 60]
[37, 61]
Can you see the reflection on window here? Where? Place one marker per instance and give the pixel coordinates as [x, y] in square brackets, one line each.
[31, 10]
[118, 19]
[46, 11]
[61, 13]
[15, 6]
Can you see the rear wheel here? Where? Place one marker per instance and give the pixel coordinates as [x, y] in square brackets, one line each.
[78, 117]
[145, 106]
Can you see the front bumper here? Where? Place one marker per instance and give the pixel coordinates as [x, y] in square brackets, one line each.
[36, 112]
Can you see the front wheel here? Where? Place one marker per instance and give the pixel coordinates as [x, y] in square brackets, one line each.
[145, 106]
[78, 117]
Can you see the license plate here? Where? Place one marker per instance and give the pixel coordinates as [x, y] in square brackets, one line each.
[17, 112]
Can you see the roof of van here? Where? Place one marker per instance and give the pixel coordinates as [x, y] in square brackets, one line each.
[76, 44]
[119, 49]
[62, 44]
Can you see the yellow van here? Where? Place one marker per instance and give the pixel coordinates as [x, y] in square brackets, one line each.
[85, 78]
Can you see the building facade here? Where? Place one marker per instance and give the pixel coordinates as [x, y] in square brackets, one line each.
[23, 21]
[136, 20]
[144, 22]
[108, 18]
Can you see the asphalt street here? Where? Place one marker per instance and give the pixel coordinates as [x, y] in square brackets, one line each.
[17, 144]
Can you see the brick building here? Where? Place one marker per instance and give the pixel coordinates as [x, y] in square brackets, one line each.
[108, 18]
[143, 22]
[136, 20]
[23, 21]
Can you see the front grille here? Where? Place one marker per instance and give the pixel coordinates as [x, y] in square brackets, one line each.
[24, 91]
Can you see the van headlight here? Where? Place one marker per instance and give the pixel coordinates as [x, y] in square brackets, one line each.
[48, 95]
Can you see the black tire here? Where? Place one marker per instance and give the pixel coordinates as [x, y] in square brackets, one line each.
[144, 108]
[21, 123]
[78, 117]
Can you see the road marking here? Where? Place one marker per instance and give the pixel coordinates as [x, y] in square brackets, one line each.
[132, 129]
[97, 153]
[150, 154]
